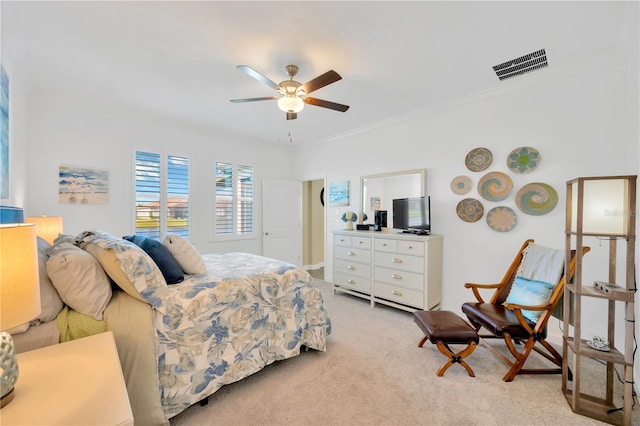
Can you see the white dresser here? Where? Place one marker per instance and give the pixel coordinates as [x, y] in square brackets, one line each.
[399, 270]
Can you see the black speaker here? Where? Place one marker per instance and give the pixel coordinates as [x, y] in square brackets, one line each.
[380, 220]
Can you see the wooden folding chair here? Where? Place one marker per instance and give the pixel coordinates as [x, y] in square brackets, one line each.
[506, 321]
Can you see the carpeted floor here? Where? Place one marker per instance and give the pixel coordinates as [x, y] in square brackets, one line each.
[373, 373]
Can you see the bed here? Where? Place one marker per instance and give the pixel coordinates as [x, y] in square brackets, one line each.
[178, 343]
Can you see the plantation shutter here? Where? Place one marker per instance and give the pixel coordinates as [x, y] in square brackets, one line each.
[147, 193]
[224, 199]
[245, 200]
[178, 195]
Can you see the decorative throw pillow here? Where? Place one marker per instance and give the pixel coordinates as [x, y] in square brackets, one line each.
[50, 300]
[80, 280]
[111, 265]
[170, 268]
[530, 293]
[127, 264]
[185, 253]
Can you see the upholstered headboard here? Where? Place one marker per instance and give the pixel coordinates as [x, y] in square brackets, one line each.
[10, 214]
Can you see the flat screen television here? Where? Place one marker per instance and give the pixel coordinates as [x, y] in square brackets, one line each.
[412, 215]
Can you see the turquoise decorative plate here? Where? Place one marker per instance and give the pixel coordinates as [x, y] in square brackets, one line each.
[495, 186]
[523, 160]
[470, 210]
[461, 184]
[502, 219]
[478, 159]
[537, 198]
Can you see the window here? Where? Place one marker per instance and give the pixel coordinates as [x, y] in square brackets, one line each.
[234, 199]
[162, 185]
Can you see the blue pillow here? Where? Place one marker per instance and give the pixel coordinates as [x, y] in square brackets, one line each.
[167, 264]
[532, 293]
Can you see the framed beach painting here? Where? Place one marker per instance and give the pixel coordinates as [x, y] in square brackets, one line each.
[82, 186]
[339, 193]
[4, 134]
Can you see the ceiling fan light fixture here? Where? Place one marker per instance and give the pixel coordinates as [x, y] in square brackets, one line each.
[290, 103]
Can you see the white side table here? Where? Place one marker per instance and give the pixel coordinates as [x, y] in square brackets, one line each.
[74, 383]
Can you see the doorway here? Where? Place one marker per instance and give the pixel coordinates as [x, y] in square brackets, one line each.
[313, 227]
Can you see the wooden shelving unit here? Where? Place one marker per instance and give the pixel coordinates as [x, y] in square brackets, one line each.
[620, 226]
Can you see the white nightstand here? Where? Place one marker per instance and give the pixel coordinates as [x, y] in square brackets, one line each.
[74, 383]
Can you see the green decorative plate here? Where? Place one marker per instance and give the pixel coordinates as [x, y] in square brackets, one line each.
[523, 160]
[502, 219]
[470, 210]
[537, 198]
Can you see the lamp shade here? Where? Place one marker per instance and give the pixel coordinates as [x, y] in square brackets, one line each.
[47, 227]
[605, 208]
[19, 279]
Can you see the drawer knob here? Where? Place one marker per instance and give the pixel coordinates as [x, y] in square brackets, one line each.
[396, 276]
[353, 268]
[397, 292]
[397, 260]
[361, 242]
[350, 253]
[351, 281]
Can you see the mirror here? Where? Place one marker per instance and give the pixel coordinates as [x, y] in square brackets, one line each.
[379, 191]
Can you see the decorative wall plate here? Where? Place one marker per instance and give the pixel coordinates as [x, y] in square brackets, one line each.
[495, 186]
[478, 159]
[461, 184]
[537, 198]
[502, 219]
[470, 210]
[523, 160]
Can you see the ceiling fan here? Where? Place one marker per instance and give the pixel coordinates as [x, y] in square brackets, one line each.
[293, 94]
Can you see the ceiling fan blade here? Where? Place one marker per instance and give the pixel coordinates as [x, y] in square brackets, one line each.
[255, 74]
[321, 81]
[266, 98]
[326, 104]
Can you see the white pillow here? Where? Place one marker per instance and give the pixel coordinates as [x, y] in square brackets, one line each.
[79, 279]
[185, 253]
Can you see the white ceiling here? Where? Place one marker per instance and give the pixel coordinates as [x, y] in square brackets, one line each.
[178, 59]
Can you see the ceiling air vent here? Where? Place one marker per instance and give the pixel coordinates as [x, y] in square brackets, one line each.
[521, 65]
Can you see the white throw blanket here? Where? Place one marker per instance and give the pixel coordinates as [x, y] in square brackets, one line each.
[542, 264]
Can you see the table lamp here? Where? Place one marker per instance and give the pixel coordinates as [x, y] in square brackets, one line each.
[19, 295]
[47, 227]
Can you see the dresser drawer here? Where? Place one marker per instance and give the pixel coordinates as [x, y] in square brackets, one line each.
[356, 255]
[361, 242]
[354, 268]
[399, 294]
[400, 278]
[342, 240]
[383, 244]
[399, 261]
[411, 247]
[352, 282]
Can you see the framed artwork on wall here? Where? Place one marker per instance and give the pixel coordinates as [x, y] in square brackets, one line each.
[339, 193]
[82, 186]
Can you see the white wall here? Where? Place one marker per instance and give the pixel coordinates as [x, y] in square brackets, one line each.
[84, 133]
[579, 121]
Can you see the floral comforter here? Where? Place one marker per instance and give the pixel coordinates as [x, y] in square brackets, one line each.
[246, 313]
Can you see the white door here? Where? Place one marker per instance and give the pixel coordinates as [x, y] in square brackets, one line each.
[281, 220]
